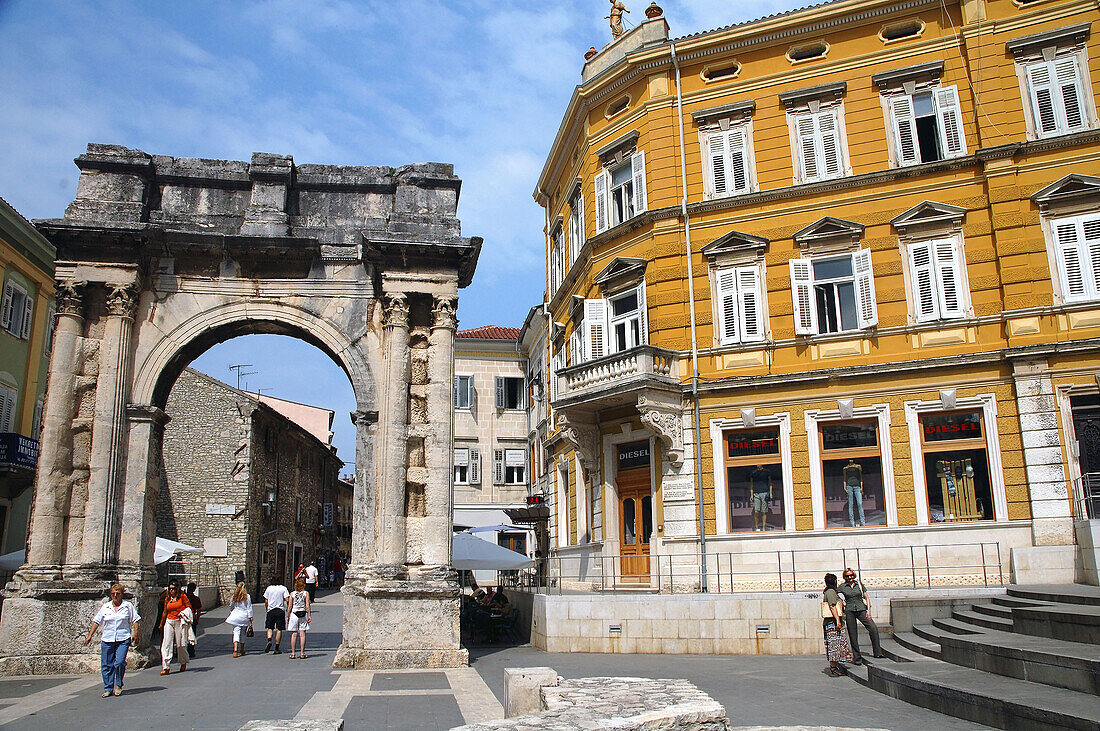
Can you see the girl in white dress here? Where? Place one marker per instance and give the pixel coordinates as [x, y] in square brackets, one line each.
[298, 622]
[240, 616]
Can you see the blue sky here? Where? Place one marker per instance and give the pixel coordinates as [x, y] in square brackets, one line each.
[479, 84]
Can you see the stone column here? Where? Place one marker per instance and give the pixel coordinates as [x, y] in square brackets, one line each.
[102, 517]
[364, 544]
[395, 429]
[438, 494]
[137, 537]
[53, 478]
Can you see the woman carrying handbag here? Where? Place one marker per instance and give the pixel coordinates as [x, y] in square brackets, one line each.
[837, 649]
[240, 617]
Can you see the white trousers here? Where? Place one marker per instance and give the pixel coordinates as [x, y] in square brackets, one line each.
[174, 634]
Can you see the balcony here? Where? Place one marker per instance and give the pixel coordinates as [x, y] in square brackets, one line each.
[618, 379]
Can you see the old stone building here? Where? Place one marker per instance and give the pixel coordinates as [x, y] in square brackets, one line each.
[243, 482]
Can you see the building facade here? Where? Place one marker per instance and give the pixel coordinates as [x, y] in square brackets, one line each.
[492, 465]
[245, 482]
[26, 328]
[824, 281]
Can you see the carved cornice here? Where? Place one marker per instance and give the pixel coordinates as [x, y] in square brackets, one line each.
[70, 298]
[122, 300]
[445, 312]
[584, 438]
[395, 311]
[367, 418]
[665, 420]
[147, 413]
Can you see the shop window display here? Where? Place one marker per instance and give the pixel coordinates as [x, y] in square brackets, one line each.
[956, 470]
[851, 470]
[754, 480]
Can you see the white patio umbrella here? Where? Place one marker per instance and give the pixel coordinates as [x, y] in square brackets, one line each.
[493, 528]
[165, 549]
[12, 561]
[470, 552]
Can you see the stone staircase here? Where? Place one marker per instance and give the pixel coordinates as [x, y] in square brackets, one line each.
[1027, 660]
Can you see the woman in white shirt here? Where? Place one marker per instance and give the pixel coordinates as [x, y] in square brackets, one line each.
[298, 622]
[240, 616]
[119, 620]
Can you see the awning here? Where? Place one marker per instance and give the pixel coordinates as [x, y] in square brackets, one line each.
[494, 528]
[471, 552]
[529, 514]
[165, 549]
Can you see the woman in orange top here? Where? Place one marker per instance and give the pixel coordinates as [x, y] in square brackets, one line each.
[174, 633]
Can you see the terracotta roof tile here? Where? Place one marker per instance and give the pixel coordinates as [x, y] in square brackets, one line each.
[490, 332]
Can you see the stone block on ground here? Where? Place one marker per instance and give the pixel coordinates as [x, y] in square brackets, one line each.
[523, 689]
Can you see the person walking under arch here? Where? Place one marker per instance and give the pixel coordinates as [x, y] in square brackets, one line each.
[298, 622]
[276, 599]
[240, 617]
[175, 634]
[119, 620]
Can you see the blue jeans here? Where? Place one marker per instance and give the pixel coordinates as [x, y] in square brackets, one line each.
[855, 497]
[112, 660]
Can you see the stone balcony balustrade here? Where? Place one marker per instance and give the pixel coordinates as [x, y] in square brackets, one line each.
[618, 378]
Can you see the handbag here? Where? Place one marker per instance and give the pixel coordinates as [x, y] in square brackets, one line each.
[249, 632]
[300, 614]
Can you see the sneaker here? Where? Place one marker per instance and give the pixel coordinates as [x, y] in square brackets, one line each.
[267, 647]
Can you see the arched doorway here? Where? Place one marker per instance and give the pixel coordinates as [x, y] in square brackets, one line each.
[160, 258]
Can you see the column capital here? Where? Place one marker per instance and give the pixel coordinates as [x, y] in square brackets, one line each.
[445, 312]
[367, 418]
[147, 413]
[70, 297]
[122, 300]
[395, 312]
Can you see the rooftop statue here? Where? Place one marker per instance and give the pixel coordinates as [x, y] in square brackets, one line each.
[616, 17]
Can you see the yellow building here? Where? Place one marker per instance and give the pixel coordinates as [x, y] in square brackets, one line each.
[892, 211]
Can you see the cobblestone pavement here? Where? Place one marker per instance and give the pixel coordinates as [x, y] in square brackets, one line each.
[220, 692]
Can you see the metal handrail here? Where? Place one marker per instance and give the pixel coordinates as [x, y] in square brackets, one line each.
[1086, 496]
[908, 566]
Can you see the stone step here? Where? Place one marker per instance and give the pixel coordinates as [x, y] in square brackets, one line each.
[1070, 665]
[1015, 601]
[993, 610]
[983, 620]
[985, 698]
[898, 652]
[1059, 593]
[857, 673]
[919, 643]
[1068, 622]
[955, 626]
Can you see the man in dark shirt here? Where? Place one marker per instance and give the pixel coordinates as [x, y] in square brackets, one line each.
[857, 607]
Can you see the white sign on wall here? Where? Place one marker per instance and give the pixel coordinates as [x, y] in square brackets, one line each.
[215, 547]
[215, 509]
[678, 490]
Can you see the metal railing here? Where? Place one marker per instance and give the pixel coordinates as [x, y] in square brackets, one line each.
[901, 567]
[202, 571]
[1086, 496]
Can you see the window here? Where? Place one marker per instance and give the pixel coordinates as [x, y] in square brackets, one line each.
[740, 300]
[937, 279]
[726, 71]
[557, 260]
[819, 151]
[833, 293]
[617, 106]
[754, 480]
[726, 156]
[8, 405]
[557, 365]
[807, 52]
[513, 542]
[576, 226]
[467, 466]
[51, 325]
[851, 469]
[1057, 95]
[927, 125]
[1077, 252]
[956, 470]
[464, 392]
[17, 309]
[509, 393]
[620, 192]
[509, 466]
[903, 29]
[297, 510]
[36, 423]
[625, 320]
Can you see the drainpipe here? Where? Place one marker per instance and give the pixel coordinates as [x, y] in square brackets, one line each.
[694, 339]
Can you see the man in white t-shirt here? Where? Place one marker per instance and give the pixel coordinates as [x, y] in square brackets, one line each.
[311, 581]
[277, 601]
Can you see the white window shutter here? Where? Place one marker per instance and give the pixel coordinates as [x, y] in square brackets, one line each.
[499, 400]
[456, 401]
[866, 307]
[830, 142]
[9, 293]
[1072, 261]
[802, 281]
[923, 282]
[1042, 97]
[601, 201]
[595, 323]
[580, 221]
[474, 472]
[637, 168]
[806, 128]
[728, 322]
[1069, 86]
[7, 409]
[1091, 230]
[949, 271]
[643, 319]
[905, 129]
[498, 466]
[716, 154]
[949, 117]
[750, 299]
[28, 315]
[738, 171]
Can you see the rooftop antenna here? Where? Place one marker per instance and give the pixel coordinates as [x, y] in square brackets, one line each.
[239, 368]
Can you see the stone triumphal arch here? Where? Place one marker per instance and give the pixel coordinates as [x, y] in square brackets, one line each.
[158, 259]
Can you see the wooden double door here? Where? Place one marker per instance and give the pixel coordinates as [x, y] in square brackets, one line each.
[635, 523]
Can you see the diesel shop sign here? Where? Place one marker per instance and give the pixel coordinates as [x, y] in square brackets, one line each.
[946, 427]
[635, 454]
